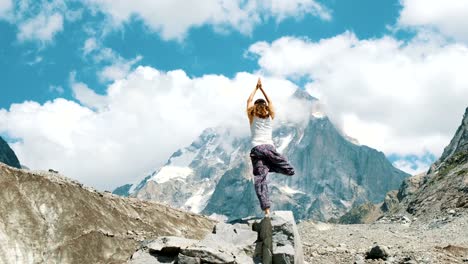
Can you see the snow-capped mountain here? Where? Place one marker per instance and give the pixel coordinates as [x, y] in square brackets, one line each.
[214, 174]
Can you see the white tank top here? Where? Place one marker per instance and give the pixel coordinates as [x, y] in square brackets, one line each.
[261, 130]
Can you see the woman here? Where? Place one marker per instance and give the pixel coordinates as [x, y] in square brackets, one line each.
[263, 154]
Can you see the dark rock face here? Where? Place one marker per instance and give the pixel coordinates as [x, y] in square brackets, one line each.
[362, 214]
[234, 195]
[7, 155]
[47, 218]
[122, 190]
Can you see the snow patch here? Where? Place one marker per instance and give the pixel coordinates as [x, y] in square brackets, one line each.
[169, 172]
[284, 143]
[318, 114]
[347, 204]
[183, 160]
[289, 190]
[132, 188]
[197, 202]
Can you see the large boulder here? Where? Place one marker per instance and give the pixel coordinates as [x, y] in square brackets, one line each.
[248, 240]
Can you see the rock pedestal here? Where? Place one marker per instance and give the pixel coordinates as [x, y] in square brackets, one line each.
[244, 241]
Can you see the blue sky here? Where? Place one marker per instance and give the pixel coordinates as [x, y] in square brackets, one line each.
[382, 69]
[202, 51]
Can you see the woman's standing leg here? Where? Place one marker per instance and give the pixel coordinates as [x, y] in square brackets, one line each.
[260, 171]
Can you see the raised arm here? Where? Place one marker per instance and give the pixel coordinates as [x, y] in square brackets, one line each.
[249, 101]
[270, 103]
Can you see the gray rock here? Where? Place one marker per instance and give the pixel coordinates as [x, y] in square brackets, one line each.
[276, 239]
[279, 235]
[142, 257]
[236, 234]
[209, 255]
[390, 201]
[377, 252]
[183, 259]
[264, 247]
[169, 243]
[359, 259]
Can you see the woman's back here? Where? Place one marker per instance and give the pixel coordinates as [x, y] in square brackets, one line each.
[261, 130]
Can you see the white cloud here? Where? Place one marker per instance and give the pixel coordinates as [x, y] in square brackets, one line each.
[282, 9]
[42, 27]
[119, 69]
[87, 96]
[39, 20]
[412, 168]
[117, 137]
[405, 98]
[5, 7]
[56, 88]
[116, 67]
[89, 46]
[449, 17]
[173, 18]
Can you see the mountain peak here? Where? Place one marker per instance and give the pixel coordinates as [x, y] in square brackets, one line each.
[7, 155]
[458, 144]
[302, 94]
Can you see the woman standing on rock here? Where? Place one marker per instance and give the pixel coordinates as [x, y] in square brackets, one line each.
[263, 154]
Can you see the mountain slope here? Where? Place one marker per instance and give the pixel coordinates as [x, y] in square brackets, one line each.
[332, 174]
[46, 218]
[7, 155]
[431, 195]
[445, 186]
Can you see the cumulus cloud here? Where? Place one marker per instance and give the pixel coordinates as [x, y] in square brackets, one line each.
[39, 20]
[117, 137]
[115, 66]
[41, 27]
[5, 7]
[398, 97]
[448, 17]
[173, 18]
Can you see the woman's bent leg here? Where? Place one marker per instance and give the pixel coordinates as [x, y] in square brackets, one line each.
[278, 163]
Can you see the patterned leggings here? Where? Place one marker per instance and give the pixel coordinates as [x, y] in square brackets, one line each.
[265, 159]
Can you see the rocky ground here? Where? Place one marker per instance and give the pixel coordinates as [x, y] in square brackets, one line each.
[406, 240]
[48, 218]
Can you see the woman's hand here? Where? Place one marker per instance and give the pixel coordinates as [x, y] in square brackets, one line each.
[259, 83]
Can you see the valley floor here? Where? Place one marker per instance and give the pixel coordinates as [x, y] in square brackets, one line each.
[442, 240]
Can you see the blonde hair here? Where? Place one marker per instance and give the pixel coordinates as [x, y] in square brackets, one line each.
[261, 110]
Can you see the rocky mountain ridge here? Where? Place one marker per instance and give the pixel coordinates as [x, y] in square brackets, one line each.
[423, 222]
[430, 195]
[48, 218]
